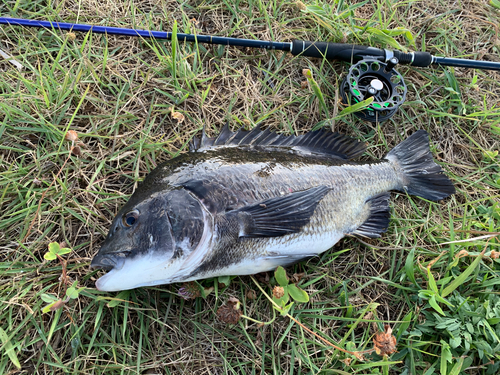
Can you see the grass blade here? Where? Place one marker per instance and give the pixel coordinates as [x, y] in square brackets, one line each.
[9, 349]
[464, 275]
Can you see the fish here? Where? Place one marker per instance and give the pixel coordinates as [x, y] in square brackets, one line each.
[246, 202]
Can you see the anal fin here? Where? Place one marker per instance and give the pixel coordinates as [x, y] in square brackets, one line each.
[378, 221]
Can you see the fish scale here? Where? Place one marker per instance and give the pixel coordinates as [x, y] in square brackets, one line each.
[247, 202]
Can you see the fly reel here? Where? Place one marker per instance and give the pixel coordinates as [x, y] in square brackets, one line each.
[373, 78]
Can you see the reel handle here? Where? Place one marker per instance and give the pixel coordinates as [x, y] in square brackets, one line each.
[352, 52]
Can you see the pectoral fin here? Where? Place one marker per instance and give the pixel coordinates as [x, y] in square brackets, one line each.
[279, 216]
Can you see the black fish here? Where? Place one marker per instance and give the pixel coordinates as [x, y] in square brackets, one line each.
[247, 202]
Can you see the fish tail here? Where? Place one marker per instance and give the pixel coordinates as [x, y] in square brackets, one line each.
[420, 175]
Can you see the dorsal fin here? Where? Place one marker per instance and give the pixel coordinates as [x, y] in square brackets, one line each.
[319, 142]
[224, 135]
[206, 140]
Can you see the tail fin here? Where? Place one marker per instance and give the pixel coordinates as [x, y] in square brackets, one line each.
[421, 176]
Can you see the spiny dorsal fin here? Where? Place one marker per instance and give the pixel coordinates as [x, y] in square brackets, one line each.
[319, 142]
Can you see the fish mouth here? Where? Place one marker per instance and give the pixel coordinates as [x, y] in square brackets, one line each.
[134, 271]
[109, 262]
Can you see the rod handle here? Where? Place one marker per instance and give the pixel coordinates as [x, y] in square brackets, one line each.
[353, 52]
[336, 51]
[419, 59]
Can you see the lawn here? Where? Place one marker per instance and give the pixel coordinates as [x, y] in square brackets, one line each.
[88, 116]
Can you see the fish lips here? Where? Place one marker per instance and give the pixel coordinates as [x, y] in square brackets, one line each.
[109, 262]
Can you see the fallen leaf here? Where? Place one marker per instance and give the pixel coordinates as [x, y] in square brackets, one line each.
[178, 116]
[296, 277]
[263, 277]
[57, 305]
[251, 294]
[347, 361]
[368, 316]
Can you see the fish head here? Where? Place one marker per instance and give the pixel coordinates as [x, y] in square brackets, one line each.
[150, 239]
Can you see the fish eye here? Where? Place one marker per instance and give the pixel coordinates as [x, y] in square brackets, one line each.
[130, 218]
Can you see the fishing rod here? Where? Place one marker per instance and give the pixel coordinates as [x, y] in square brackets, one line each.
[372, 75]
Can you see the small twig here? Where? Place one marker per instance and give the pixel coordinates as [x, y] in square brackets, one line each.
[484, 365]
[64, 269]
[356, 354]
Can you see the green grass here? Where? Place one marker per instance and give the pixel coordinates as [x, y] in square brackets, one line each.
[118, 94]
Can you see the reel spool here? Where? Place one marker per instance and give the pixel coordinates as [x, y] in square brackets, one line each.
[374, 78]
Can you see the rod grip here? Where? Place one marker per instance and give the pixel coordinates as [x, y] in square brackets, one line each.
[419, 59]
[336, 51]
[353, 52]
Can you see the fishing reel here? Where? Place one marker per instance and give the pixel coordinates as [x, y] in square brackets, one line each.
[373, 78]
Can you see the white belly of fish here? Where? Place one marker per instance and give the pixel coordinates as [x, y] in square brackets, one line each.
[280, 251]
